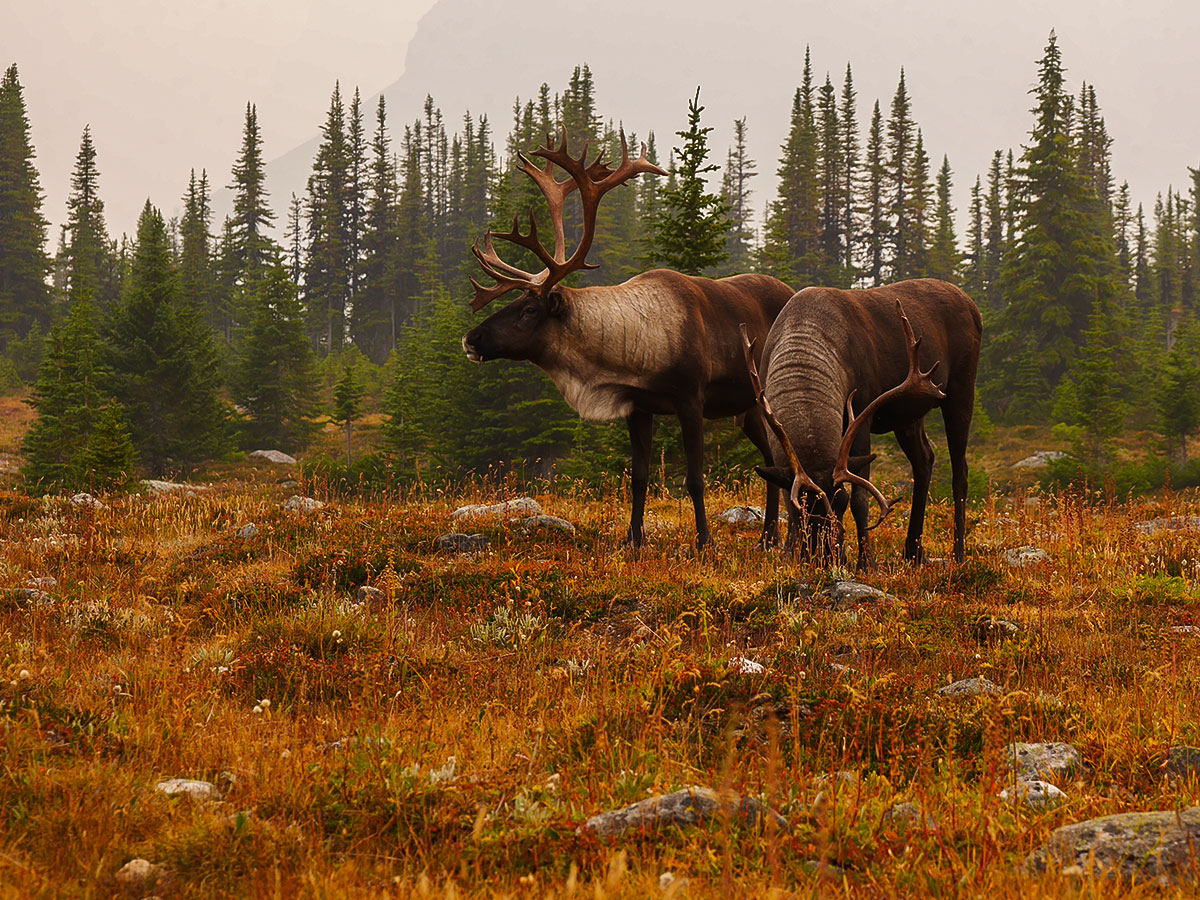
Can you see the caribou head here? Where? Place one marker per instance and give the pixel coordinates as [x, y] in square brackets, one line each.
[519, 330]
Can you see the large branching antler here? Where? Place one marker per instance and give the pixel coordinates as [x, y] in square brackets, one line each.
[800, 478]
[593, 180]
[917, 385]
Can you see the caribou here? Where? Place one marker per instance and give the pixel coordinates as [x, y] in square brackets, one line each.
[661, 343]
[838, 366]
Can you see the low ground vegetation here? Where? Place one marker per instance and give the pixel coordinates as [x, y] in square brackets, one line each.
[449, 733]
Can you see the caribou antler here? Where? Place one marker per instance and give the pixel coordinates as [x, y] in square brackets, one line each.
[917, 385]
[593, 180]
[800, 478]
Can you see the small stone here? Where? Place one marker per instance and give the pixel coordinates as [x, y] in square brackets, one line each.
[743, 515]
[463, 543]
[1169, 523]
[840, 669]
[521, 507]
[138, 873]
[197, 790]
[688, 807]
[154, 487]
[45, 583]
[1021, 557]
[31, 596]
[1183, 763]
[1040, 459]
[296, 503]
[1046, 760]
[742, 666]
[1184, 629]
[910, 815]
[371, 596]
[969, 687]
[990, 630]
[1034, 793]
[553, 523]
[843, 594]
[273, 456]
[247, 531]
[86, 500]
[1141, 846]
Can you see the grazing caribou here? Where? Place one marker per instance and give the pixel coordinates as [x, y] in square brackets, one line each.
[839, 365]
[662, 343]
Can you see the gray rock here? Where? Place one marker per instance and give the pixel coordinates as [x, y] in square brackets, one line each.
[1184, 629]
[743, 515]
[553, 523]
[1183, 763]
[86, 500]
[274, 456]
[739, 665]
[155, 487]
[685, 808]
[370, 596]
[822, 869]
[1020, 557]
[247, 531]
[30, 596]
[1040, 459]
[1044, 760]
[1170, 523]
[139, 873]
[1033, 793]
[296, 503]
[463, 543]
[844, 594]
[521, 507]
[990, 630]
[910, 815]
[44, 583]
[969, 687]
[197, 790]
[1133, 846]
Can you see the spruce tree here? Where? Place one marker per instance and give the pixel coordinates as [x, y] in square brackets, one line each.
[735, 194]
[375, 307]
[831, 270]
[875, 202]
[347, 404]
[24, 298]
[973, 275]
[162, 359]
[327, 270]
[690, 233]
[252, 249]
[1177, 397]
[275, 380]
[900, 139]
[89, 254]
[69, 395]
[848, 121]
[920, 209]
[197, 273]
[944, 258]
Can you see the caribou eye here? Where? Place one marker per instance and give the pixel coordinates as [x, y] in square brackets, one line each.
[529, 311]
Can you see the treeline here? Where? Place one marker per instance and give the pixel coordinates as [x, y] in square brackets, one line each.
[1088, 300]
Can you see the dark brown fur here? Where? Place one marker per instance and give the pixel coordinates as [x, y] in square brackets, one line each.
[827, 343]
[662, 343]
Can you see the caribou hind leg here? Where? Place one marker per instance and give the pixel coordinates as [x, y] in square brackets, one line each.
[753, 427]
[641, 431]
[915, 443]
[956, 413]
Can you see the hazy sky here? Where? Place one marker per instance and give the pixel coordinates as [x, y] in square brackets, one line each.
[164, 83]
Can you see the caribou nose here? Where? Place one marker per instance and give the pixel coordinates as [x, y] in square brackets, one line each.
[472, 354]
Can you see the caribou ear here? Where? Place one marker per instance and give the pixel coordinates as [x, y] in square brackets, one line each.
[780, 476]
[556, 303]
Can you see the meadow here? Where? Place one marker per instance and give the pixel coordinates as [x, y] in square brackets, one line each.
[450, 734]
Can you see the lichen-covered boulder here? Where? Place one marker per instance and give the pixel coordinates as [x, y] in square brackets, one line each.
[686, 808]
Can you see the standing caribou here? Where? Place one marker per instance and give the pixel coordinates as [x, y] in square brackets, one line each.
[839, 365]
[662, 343]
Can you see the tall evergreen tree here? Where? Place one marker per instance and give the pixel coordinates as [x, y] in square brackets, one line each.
[252, 249]
[690, 233]
[944, 258]
[848, 121]
[921, 209]
[162, 359]
[374, 318]
[89, 254]
[973, 281]
[197, 272]
[327, 270]
[275, 381]
[994, 240]
[797, 207]
[875, 202]
[901, 134]
[735, 194]
[832, 205]
[24, 298]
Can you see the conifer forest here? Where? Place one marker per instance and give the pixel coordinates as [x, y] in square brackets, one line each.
[297, 600]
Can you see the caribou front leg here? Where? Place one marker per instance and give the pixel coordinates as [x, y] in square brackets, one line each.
[691, 421]
[641, 431]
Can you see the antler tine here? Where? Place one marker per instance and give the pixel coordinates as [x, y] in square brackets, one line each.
[917, 385]
[800, 478]
[491, 262]
[485, 295]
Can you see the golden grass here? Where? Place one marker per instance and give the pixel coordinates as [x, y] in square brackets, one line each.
[565, 677]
